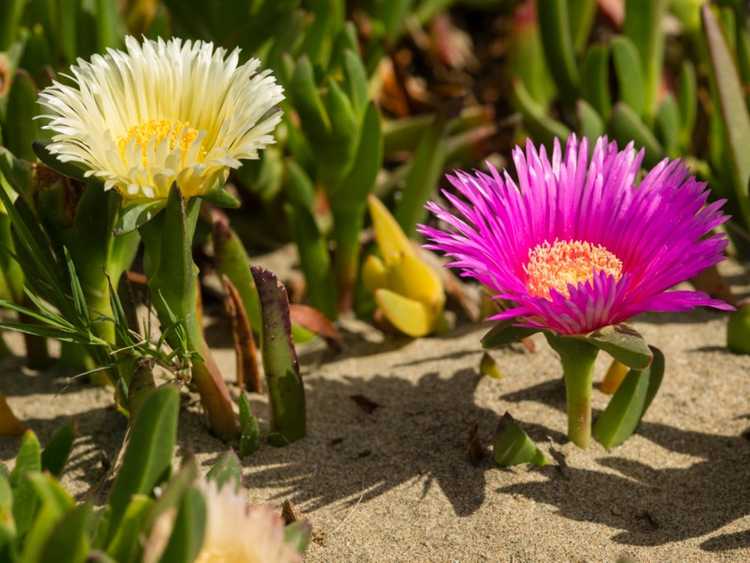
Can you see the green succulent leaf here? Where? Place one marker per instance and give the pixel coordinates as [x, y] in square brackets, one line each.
[423, 177]
[504, 333]
[668, 125]
[626, 126]
[643, 26]
[25, 501]
[148, 454]
[285, 388]
[69, 540]
[512, 446]
[629, 403]
[298, 535]
[226, 471]
[687, 102]
[249, 429]
[595, 80]
[57, 451]
[624, 344]
[125, 546]
[189, 529]
[733, 108]
[541, 126]
[629, 73]
[590, 122]
[554, 24]
[67, 169]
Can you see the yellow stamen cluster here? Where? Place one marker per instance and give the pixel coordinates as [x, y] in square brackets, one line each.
[178, 134]
[563, 263]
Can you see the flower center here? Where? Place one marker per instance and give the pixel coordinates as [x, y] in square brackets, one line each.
[178, 134]
[563, 263]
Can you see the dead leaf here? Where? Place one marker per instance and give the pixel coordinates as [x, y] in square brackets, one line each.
[9, 424]
[315, 321]
[246, 353]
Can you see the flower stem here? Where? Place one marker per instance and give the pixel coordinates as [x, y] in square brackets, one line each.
[577, 358]
[347, 227]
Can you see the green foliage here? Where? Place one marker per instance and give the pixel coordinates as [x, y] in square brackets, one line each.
[632, 111]
[512, 446]
[629, 403]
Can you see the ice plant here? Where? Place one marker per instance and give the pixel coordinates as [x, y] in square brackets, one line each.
[162, 123]
[162, 112]
[576, 246]
[239, 532]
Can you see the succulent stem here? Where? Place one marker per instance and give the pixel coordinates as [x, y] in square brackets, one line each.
[577, 358]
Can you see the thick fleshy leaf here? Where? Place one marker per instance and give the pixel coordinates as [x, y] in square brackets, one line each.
[133, 216]
[69, 541]
[687, 102]
[298, 534]
[374, 273]
[738, 330]
[629, 73]
[413, 278]
[221, 197]
[668, 125]
[733, 107]
[488, 366]
[226, 471]
[232, 261]
[423, 176]
[249, 429]
[391, 240]
[626, 126]
[643, 26]
[624, 344]
[285, 388]
[411, 317]
[54, 503]
[628, 405]
[25, 502]
[189, 529]
[595, 80]
[125, 546]
[504, 333]
[512, 446]
[554, 24]
[589, 121]
[65, 168]
[7, 523]
[535, 119]
[57, 450]
[148, 454]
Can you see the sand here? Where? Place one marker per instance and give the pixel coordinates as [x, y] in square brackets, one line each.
[394, 483]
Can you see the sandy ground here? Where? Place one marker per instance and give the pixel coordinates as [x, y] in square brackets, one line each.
[394, 484]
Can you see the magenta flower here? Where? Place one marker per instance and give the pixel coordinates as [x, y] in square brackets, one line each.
[578, 243]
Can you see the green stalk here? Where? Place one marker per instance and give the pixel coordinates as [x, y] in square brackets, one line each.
[173, 282]
[347, 225]
[577, 358]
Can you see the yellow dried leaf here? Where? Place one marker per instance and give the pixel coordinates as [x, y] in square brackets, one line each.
[374, 274]
[392, 241]
[410, 317]
[416, 280]
[9, 424]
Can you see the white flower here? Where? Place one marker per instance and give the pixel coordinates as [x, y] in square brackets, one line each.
[162, 112]
[240, 533]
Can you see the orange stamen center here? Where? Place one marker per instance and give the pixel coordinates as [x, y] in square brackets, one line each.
[563, 263]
